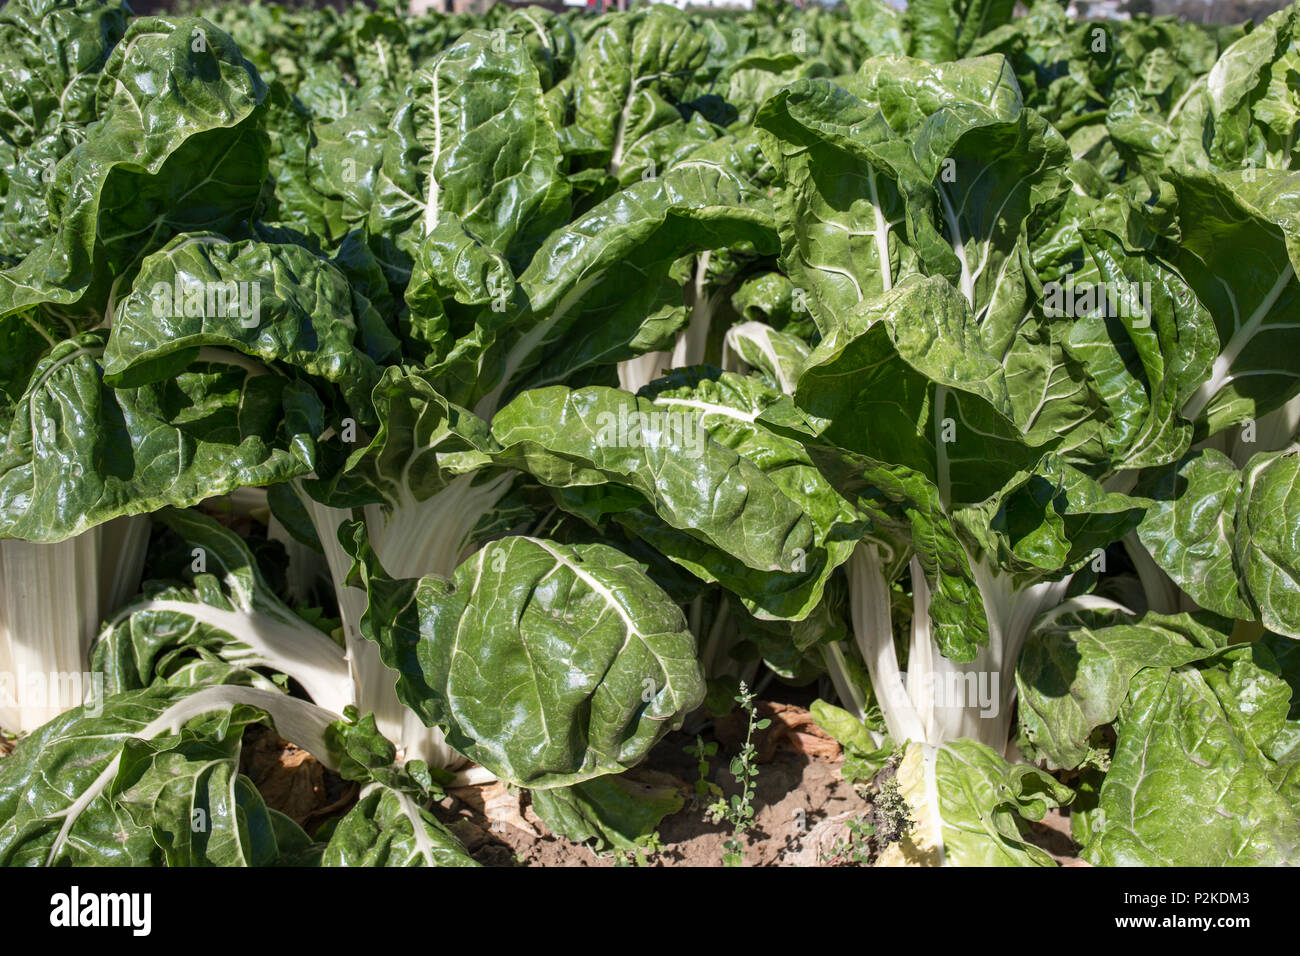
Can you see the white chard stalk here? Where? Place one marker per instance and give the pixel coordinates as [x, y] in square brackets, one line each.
[938, 700]
[52, 600]
[412, 539]
[692, 341]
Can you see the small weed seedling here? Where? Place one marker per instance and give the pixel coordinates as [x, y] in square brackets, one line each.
[854, 851]
[640, 856]
[739, 811]
[704, 787]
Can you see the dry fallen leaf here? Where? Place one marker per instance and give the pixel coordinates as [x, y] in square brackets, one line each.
[648, 780]
[290, 779]
[501, 807]
[792, 729]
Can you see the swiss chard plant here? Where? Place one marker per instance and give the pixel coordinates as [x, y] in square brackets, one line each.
[476, 398]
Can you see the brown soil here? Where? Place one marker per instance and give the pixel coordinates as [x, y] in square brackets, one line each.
[1053, 835]
[802, 805]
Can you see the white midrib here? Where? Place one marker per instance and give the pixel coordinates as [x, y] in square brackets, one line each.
[296, 720]
[1274, 432]
[631, 631]
[921, 650]
[708, 408]
[429, 537]
[373, 680]
[127, 49]
[759, 335]
[881, 233]
[713, 643]
[691, 341]
[959, 246]
[1182, 101]
[1242, 337]
[605, 593]
[620, 134]
[635, 373]
[218, 356]
[873, 632]
[487, 405]
[432, 193]
[302, 652]
[542, 36]
[942, 469]
[411, 810]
